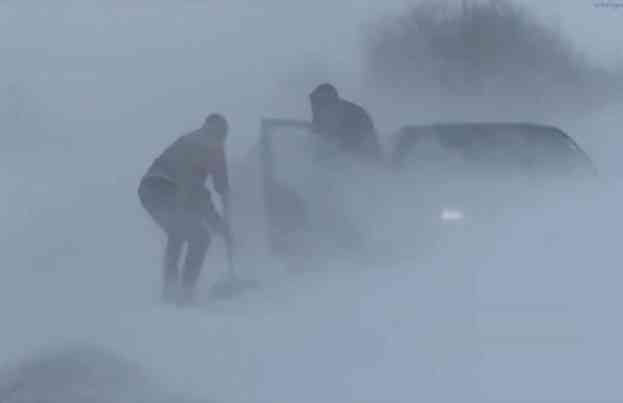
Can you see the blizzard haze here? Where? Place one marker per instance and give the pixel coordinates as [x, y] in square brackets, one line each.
[92, 91]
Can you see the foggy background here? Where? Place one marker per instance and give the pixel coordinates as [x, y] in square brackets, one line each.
[91, 92]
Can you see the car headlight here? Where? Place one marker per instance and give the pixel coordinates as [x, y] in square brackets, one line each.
[450, 214]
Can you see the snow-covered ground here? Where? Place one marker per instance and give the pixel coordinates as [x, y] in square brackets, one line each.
[534, 317]
[80, 264]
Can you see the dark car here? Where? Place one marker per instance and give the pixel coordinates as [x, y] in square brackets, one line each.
[442, 176]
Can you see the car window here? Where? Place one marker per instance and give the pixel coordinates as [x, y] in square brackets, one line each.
[506, 149]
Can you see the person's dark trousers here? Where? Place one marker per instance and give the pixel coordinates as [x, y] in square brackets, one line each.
[157, 195]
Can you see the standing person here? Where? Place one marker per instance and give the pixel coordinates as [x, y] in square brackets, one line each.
[346, 126]
[346, 133]
[174, 193]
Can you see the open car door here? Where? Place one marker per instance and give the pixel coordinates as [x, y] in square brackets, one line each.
[286, 216]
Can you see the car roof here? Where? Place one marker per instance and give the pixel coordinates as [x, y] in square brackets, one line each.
[457, 127]
[498, 129]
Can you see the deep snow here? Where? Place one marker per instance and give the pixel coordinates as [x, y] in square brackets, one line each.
[79, 259]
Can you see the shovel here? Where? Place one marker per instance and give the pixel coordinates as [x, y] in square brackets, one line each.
[232, 285]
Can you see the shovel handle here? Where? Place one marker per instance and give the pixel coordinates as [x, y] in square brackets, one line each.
[229, 248]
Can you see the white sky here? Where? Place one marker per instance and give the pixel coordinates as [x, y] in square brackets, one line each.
[113, 60]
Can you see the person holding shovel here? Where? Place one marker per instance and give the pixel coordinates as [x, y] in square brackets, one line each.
[174, 194]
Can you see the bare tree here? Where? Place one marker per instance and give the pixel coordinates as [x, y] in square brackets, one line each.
[493, 48]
